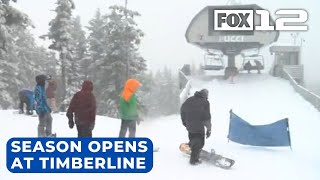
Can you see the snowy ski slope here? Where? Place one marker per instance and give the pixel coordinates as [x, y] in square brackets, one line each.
[259, 99]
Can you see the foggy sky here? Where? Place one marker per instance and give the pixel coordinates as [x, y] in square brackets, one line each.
[165, 22]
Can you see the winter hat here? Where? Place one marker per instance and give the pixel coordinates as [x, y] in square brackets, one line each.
[129, 88]
[202, 93]
[205, 93]
[41, 79]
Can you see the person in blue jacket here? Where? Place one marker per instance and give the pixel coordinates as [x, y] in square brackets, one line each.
[42, 108]
[26, 97]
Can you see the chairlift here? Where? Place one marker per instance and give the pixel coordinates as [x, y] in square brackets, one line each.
[213, 61]
[252, 59]
[256, 62]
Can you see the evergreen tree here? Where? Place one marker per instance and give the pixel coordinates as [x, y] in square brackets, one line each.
[60, 33]
[28, 58]
[79, 63]
[10, 17]
[97, 44]
[9, 83]
[122, 57]
[113, 45]
[31, 58]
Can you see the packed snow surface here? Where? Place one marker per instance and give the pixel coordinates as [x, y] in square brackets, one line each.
[259, 99]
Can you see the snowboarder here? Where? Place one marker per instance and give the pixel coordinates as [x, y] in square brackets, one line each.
[195, 116]
[26, 97]
[128, 108]
[82, 110]
[51, 93]
[42, 108]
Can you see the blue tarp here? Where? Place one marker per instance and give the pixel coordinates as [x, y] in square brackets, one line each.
[275, 134]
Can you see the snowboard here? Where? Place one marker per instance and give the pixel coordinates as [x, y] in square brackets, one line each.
[210, 157]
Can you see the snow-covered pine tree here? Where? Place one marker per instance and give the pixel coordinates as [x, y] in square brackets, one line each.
[9, 81]
[10, 17]
[79, 59]
[50, 64]
[61, 36]
[32, 59]
[114, 40]
[97, 46]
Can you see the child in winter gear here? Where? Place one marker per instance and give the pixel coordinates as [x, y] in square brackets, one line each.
[195, 116]
[42, 108]
[83, 107]
[128, 108]
[26, 97]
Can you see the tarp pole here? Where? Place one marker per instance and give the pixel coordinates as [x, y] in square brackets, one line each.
[229, 124]
[289, 134]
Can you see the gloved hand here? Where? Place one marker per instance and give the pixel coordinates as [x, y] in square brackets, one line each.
[70, 118]
[208, 134]
[71, 123]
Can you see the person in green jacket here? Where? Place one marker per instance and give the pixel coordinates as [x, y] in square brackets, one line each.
[128, 108]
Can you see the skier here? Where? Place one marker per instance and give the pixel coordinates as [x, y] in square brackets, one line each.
[195, 116]
[42, 108]
[26, 97]
[82, 110]
[128, 108]
[51, 92]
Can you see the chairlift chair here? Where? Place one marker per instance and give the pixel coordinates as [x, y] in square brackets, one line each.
[254, 66]
[213, 61]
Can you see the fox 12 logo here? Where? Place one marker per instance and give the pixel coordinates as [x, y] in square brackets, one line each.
[244, 20]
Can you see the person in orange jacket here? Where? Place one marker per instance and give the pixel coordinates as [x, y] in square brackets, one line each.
[128, 108]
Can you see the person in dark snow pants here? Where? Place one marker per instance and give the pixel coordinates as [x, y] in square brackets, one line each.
[195, 116]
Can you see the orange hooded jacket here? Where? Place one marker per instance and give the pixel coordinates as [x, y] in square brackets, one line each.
[128, 101]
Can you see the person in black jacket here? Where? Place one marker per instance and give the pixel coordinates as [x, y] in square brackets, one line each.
[195, 116]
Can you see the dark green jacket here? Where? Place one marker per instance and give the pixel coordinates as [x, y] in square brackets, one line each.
[128, 110]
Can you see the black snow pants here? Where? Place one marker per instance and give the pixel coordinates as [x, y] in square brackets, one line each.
[196, 142]
[84, 131]
[125, 125]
